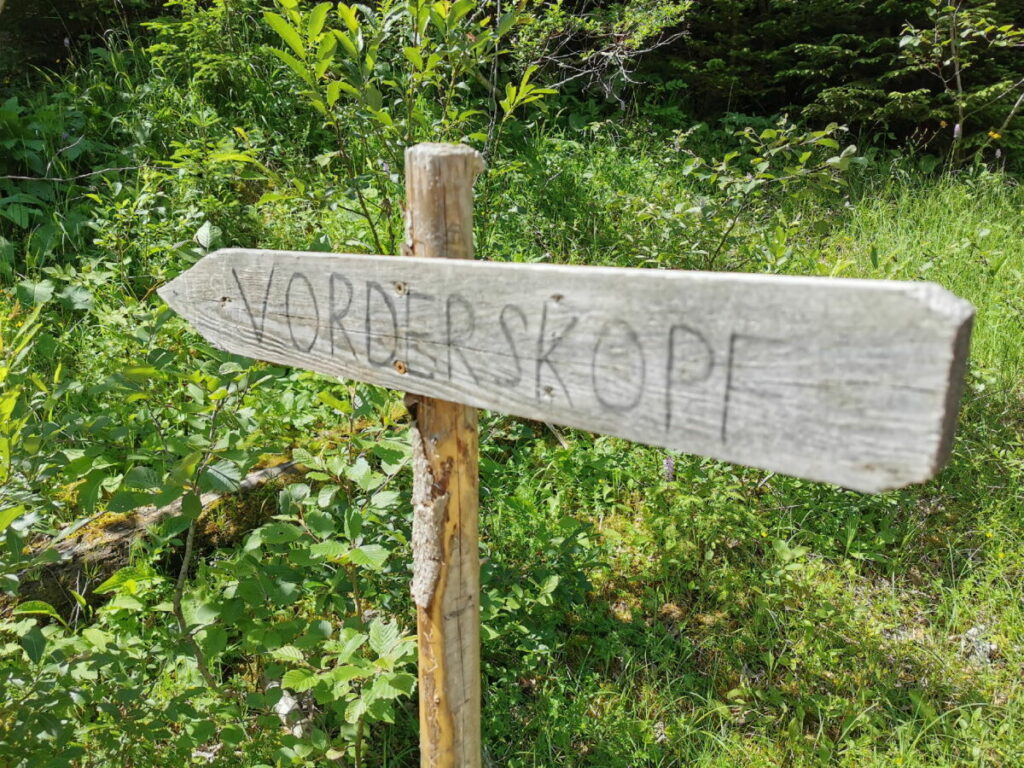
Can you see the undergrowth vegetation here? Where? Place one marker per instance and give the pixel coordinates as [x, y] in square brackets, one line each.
[640, 608]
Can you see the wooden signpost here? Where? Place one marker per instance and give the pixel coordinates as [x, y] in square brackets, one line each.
[853, 382]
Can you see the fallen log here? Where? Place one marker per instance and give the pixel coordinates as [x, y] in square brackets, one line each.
[97, 549]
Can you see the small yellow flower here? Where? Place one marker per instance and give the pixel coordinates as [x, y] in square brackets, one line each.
[1002, 555]
[989, 534]
[943, 124]
[994, 135]
[764, 534]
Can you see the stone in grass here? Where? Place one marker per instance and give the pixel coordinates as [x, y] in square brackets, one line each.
[975, 648]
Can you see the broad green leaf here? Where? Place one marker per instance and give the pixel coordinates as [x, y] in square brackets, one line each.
[126, 501]
[253, 541]
[326, 496]
[348, 643]
[175, 524]
[294, 66]
[373, 98]
[9, 515]
[505, 24]
[334, 89]
[288, 653]
[38, 607]
[336, 465]
[34, 644]
[363, 475]
[125, 602]
[356, 710]
[280, 533]
[126, 578]
[202, 613]
[6, 258]
[349, 16]
[325, 396]
[142, 478]
[549, 585]
[459, 9]
[384, 500]
[321, 524]
[287, 32]
[97, 637]
[317, 17]
[21, 215]
[31, 292]
[509, 102]
[191, 505]
[381, 710]
[382, 689]
[186, 467]
[384, 637]
[325, 54]
[392, 453]
[213, 641]
[383, 118]
[290, 498]
[329, 550]
[207, 233]
[370, 556]
[141, 373]
[8, 402]
[76, 297]
[347, 44]
[201, 730]
[348, 672]
[224, 476]
[299, 680]
[402, 682]
[414, 56]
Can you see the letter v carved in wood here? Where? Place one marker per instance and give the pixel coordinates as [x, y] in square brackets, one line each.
[245, 300]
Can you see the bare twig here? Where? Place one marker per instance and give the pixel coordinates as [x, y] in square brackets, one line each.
[71, 179]
[1012, 113]
[597, 65]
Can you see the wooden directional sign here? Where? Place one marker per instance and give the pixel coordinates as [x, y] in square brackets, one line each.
[853, 382]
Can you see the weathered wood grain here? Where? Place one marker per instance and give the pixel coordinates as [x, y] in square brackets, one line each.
[847, 381]
[445, 539]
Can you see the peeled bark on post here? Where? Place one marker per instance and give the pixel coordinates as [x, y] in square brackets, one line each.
[446, 560]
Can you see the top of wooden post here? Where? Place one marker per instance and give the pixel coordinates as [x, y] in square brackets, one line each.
[439, 178]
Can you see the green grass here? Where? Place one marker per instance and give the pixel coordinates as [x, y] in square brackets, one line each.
[751, 620]
[726, 617]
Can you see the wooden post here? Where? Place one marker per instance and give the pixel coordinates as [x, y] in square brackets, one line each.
[446, 560]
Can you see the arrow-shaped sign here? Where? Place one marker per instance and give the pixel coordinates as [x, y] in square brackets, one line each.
[854, 382]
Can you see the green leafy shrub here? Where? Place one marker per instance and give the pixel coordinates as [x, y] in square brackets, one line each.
[980, 103]
[847, 62]
[394, 75]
